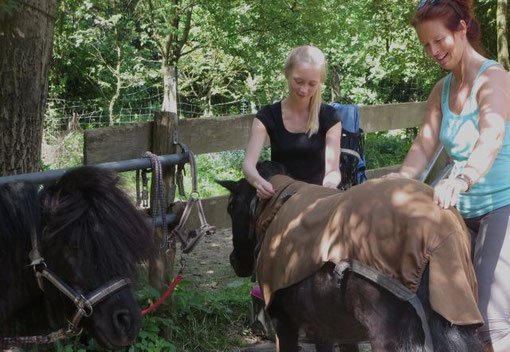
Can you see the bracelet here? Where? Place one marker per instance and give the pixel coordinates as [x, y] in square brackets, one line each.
[466, 179]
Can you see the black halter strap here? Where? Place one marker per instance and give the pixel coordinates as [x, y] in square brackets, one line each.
[84, 304]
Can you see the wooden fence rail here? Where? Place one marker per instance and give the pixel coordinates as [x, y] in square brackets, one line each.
[209, 135]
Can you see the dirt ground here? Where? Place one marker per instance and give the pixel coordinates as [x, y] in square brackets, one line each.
[208, 264]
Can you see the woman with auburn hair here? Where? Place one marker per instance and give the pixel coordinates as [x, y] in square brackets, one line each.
[469, 113]
[304, 133]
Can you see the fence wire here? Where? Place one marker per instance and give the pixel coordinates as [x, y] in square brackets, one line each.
[84, 114]
[70, 115]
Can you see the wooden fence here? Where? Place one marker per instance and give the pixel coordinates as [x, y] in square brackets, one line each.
[209, 135]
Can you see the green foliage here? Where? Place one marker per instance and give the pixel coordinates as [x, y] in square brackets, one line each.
[195, 321]
[385, 149]
[235, 49]
[62, 150]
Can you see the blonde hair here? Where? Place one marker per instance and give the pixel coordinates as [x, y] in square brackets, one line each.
[311, 55]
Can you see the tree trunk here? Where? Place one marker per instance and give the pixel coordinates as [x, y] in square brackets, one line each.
[169, 87]
[502, 34]
[26, 43]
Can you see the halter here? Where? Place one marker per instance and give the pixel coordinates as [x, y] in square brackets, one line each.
[254, 203]
[84, 304]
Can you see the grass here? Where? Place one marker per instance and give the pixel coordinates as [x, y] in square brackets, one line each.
[215, 320]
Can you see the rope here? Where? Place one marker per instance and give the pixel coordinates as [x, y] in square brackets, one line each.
[188, 243]
[159, 202]
[165, 295]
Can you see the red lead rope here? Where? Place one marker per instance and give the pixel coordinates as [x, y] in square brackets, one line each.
[165, 295]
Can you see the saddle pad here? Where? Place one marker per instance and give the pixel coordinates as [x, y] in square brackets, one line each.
[392, 225]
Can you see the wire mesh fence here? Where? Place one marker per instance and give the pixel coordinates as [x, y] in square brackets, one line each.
[140, 106]
[84, 114]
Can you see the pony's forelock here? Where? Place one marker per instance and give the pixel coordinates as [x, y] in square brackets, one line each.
[86, 210]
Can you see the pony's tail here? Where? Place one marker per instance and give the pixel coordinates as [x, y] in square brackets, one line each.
[445, 336]
[454, 338]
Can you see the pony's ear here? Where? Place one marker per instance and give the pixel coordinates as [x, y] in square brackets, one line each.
[230, 185]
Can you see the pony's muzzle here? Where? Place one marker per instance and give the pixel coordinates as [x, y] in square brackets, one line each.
[122, 321]
[240, 271]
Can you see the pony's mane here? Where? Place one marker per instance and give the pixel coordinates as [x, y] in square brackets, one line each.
[86, 211]
[18, 218]
[267, 169]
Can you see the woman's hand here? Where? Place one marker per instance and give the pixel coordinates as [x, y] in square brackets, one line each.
[332, 179]
[446, 193]
[264, 189]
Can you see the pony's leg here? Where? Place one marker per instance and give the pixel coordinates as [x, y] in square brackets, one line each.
[286, 335]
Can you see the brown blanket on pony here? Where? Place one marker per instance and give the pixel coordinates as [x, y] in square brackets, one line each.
[392, 225]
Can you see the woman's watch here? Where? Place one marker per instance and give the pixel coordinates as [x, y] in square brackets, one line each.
[467, 179]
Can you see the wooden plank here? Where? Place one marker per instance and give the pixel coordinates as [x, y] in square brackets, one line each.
[116, 143]
[207, 135]
[375, 118]
[376, 173]
[215, 209]
[210, 135]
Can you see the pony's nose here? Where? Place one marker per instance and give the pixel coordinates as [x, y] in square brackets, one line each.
[122, 321]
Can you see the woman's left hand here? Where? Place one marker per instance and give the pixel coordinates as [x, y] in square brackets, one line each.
[446, 193]
[332, 179]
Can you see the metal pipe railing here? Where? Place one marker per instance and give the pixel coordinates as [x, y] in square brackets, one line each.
[118, 166]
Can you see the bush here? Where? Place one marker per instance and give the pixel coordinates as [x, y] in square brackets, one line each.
[385, 149]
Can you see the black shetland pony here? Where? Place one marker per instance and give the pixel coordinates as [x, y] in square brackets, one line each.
[355, 311]
[91, 237]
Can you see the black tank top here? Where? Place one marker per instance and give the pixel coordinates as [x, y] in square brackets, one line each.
[303, 156]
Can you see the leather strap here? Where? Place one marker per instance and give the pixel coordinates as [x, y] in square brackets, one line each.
[393, 286]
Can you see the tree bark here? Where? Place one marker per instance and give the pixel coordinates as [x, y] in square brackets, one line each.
[502, 34]
[26, 43]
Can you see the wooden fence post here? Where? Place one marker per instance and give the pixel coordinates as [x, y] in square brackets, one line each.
[161, 266]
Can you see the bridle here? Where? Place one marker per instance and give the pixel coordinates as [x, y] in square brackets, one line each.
[252, 228]
[84, 303]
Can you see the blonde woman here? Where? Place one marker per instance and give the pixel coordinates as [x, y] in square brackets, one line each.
[304, 133]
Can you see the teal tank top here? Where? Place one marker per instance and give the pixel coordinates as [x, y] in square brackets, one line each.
[459, 134]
